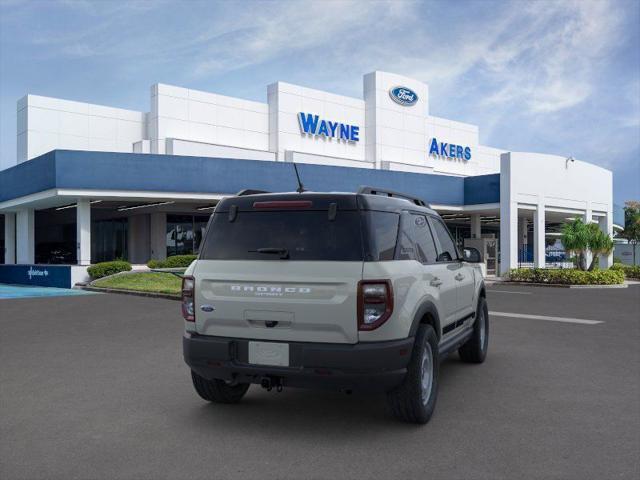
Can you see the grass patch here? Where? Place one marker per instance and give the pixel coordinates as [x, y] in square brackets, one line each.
[143, 282]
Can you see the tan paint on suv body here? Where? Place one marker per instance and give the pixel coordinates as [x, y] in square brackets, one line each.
[317, 301]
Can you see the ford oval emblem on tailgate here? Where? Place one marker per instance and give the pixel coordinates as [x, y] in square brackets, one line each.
[207, 308]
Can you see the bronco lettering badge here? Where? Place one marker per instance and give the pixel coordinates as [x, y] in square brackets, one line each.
[269, 290]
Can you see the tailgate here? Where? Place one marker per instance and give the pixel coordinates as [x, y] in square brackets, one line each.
[301, 301]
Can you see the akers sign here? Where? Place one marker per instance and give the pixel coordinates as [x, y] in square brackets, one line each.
[449, 150]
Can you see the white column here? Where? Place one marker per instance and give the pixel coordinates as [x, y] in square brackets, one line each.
[158, 234]
[606, 225]
[508, 236]
[25, 236]
[476, 226]
[539, 236]
[83, 232]
[9, 238]
[508, 218]
[588, 218]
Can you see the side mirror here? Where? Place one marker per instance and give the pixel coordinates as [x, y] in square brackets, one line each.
[472, 255]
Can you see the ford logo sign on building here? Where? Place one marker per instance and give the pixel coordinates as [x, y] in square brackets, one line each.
[403, 96]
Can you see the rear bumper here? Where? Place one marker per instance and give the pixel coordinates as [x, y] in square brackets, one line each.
[374, 366]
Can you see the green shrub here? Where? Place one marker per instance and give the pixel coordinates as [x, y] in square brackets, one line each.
[154, 263]
[175, 261]
[630, 271]
[567, 276]
[104, 269]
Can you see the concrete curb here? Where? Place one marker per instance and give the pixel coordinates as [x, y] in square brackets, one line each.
[166, 296]
[559, 285]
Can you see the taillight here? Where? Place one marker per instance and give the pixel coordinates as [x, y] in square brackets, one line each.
[188, 294]
[375, 303]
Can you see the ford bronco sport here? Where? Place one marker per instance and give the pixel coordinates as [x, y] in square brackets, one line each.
[363, 291]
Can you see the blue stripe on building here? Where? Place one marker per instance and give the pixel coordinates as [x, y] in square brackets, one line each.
[172, 173]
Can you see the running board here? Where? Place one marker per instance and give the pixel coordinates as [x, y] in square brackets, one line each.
[455, 342]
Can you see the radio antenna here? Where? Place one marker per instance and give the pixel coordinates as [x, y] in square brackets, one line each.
[300, 188]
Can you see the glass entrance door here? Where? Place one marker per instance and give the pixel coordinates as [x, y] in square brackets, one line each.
[184, 234]
[109, 240]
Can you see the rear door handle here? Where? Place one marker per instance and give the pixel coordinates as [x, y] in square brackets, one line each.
[436, 282]
[459, 277]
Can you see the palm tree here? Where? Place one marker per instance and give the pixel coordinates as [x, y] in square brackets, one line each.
[600, 243]
[578, 238]
[575, 240]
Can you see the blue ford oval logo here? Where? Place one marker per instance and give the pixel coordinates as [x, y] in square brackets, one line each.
[207, 308]
[403, 96]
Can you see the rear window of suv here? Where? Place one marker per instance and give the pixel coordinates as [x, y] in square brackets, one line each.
[304, 235]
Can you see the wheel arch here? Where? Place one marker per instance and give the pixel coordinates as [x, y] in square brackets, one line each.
[427, 314]
[482, 293]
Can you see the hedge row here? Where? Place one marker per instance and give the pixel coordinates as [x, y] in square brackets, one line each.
[104, 269]
[630, 271]
[175, 261]
[567, 276]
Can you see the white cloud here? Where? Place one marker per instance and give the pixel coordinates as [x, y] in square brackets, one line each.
[552, 54]
[290, 30]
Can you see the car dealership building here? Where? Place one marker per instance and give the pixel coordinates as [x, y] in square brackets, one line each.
[95, 183]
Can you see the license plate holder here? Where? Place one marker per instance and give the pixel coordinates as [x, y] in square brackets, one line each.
[269, 353]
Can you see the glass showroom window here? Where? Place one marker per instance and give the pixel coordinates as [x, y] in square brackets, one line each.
[184, 234]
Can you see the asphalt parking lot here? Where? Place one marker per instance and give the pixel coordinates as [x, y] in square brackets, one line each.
[94, 386]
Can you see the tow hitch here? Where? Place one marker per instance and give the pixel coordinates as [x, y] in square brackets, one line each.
[268, 383]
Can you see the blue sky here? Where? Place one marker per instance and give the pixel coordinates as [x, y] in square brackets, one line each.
[557, 77]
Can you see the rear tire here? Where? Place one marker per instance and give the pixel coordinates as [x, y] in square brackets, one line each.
[415, 399]
[218, 391]
[475, 349]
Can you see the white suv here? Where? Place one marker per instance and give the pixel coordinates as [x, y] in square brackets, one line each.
[362, 291]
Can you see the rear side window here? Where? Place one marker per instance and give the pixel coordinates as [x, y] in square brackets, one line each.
[425, 246]
[305, 235]
[381, 235]
[416, 241]
[447, 251]
[406, 241]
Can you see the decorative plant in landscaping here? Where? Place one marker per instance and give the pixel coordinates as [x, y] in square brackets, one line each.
[175, 261]
[579, 238]
[630, 271]
[104, 269]
[567, 276]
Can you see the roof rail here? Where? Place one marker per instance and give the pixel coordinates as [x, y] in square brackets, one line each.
[390, 193]
[250, 191]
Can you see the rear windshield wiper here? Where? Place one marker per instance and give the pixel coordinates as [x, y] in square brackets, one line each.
[283, 252]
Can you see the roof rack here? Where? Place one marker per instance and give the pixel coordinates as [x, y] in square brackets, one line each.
[250, 191]
[390, 193]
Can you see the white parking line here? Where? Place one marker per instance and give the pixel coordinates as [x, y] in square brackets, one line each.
[543, 317]
[507, 291]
